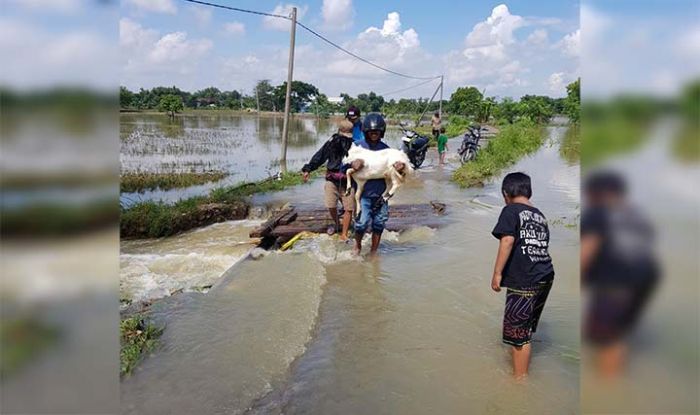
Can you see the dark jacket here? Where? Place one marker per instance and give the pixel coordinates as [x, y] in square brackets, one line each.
[376, 187]
[331, 153]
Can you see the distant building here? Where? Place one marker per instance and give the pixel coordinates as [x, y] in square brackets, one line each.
[335, 100]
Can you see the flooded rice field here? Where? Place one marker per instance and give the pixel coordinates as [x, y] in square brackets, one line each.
[247, 147]
[315, 330]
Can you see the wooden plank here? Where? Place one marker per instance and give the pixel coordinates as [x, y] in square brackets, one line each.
[288, 218]
[267, 227]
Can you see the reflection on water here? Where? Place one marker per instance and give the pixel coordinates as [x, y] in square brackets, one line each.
[416, 331]
[247, 147]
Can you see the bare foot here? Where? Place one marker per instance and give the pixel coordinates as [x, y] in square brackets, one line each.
[343, 238]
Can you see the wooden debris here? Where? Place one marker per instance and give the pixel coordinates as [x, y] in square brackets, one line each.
[291, 221]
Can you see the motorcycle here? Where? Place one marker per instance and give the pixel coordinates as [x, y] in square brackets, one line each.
[470, 143]
[415, 146]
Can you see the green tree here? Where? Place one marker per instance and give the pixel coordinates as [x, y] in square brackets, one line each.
[536, 109]
[466, 101]
[486, 109]
[171, 104]
[572, 103]
[302, 94]
[507, 110]
[266, 95]
[126, 97]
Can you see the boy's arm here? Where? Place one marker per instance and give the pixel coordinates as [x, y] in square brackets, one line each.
[505, 246]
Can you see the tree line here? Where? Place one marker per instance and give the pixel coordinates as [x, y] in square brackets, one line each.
[466, 101]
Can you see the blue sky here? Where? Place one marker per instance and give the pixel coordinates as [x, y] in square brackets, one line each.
[508, 49]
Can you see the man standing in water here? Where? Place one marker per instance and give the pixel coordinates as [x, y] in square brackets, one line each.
[374, 208]
[332, 154]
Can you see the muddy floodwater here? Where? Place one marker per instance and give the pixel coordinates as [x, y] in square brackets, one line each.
[314, 330]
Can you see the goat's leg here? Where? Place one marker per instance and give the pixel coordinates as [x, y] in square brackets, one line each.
[348, 178]
[358, 194]
[395, 181]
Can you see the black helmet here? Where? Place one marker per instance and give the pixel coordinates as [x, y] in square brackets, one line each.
[353, 111]
[374, 121]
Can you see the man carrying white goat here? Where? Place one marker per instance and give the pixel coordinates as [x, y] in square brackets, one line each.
[374, 209]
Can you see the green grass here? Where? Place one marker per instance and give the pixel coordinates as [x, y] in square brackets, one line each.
[155, 220]
[138, 182]
[511, 143]
[608, 136]
[56, 218]
[136, 338]
[686, 146]
[570, 146]
[21, 340]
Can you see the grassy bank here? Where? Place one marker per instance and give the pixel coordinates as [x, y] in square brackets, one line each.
[155, 220]
[138, 182]
[22, 339]
[136, 338]
[686, 145]
[512, 142]
[570, 147]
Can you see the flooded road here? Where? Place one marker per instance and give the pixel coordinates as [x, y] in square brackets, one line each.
[415, 331]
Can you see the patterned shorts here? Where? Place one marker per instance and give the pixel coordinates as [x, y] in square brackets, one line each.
[522, 313]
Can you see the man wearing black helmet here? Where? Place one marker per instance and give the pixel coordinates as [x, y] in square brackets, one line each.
[353, 115]
[374, 209]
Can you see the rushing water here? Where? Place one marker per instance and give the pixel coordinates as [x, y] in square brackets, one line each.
[416, 331]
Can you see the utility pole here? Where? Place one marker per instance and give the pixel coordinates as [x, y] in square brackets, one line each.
[287, 102]
[257, 98]
[442, 84]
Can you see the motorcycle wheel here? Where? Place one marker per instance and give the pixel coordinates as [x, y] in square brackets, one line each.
[418, 160]
[467, 156]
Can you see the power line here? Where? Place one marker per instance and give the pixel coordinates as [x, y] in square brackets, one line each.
[406, 89]
[330, 42]
[204, 3]
[335, 45]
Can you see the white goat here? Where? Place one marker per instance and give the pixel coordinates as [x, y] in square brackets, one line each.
[389, 164]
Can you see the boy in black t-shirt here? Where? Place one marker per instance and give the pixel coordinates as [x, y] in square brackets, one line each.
[523, 266]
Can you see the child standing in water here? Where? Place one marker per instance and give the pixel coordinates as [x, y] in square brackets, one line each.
[523, 266]
[442, 145]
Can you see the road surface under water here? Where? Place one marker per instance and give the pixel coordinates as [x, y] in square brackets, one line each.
[417, 330]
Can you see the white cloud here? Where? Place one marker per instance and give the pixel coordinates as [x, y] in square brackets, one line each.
[234, 28]
[34, 57]
[556, 82]
[688, 44]
[391, 29]
[337, 14]
[201, 14]
[175, 47]
[571, 44]
[488, 39]
[151, 59]
[276, 23]
[538, 38]
[156, 6]
[387, 46]
[133, 36]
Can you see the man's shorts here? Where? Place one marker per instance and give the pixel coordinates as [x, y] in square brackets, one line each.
[613, 312]
[372, 213]
[332, 192]
[522, 313]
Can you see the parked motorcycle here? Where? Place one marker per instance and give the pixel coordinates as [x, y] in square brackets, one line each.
[470, 143]
[415, 146]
